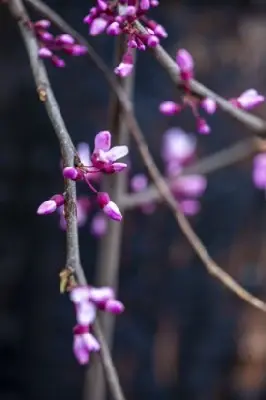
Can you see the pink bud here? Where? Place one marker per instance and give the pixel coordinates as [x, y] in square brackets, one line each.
[160, 31]
[65, 39]
[98, 26]
[126, 66]
[202, 126]
[102, 5]
[46, 37]
[152, 41]
[78, 50]
[169, 108]
[59, 199]
[114, 306]
[186, 64]
[103, 199]
[58, 62]
[44, 52]
[209, 105]
[47, 207]
[144, 5]
[42, 24]
[130, 11]
[108, 206]
[114, 29]
[71, 173]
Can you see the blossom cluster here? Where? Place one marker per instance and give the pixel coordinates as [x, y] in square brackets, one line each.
[50, 44]
[120, 16]
[178, 151]
[87, 300]
[102, 160]
[246, 101]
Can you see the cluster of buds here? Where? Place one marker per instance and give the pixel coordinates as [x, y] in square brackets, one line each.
[50, 44]
[102, 160]
[178, 151]
[246, 101]
[120, 16]
[87, 301]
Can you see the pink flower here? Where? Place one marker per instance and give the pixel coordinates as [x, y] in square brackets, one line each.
[99, 225]
[186, 64]
[259, 171]
[202, 126]
[108, 206]
[103, 157]
[84, 343]
[248, 99]
[139, 182]
[190, 186]
[178, 145]
[169, 108]
[98, 26]
[126, 66]
[49, 206]
[209, 105]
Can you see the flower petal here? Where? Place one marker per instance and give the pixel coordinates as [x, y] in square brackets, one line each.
[101, 294]
[85, 313]
[79, 294]
[84, 153]
[117, 152]
[102, 141]
[91, 342]
[192, 185]
[80, 351]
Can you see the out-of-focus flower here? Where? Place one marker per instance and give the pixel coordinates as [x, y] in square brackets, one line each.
[248, 99]
[98, 225]
[186, 64]
[259, 171]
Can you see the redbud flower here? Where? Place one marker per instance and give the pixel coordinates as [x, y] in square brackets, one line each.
[108, 206]
[169, 108]
[190, 186]
[99, 225]
[186, 64]
[178, 145]
[84, 343]
[126, 66]
[209, 105]
[190, 207]
[49, 206]
[259, 171]
[98, 26]
[248, 99]
[139, 183]
[103, 157]
[202, 126]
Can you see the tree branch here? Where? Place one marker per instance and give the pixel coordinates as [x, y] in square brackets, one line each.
[108, 256]
[68, 155]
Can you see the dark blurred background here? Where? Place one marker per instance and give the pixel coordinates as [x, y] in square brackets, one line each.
[183, 335]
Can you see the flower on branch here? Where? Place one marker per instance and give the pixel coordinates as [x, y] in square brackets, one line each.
[246, 101]
[87, 300]
[50, 44]
[120, 17]
[49, 206]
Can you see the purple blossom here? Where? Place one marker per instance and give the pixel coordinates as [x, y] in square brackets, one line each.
[259, 171]
[186, 64]
[248, 99]
[50, 45]
[87, 300]
[178, 146]
[49, 206]
[108, 206]
[98, 225]
[120, 17]
[83, 344]
[104, 157]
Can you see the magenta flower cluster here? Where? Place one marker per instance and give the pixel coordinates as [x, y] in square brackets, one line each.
[120, 16]
[246, 101]
[87, 300]
[178, 151]
[102, 160]
[50, 44]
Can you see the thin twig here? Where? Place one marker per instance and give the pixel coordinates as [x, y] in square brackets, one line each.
[223, 158]
[68, 155]
[109, 247]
